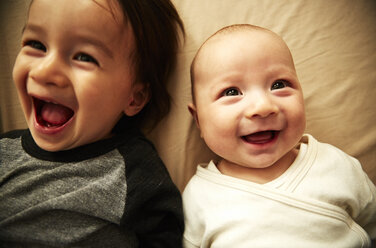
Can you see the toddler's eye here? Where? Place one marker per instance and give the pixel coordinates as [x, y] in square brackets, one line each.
[86, 58]
[231, 92]
[279, 84]
[36, 45]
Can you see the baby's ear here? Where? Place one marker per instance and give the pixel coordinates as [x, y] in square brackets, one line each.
[193, 111]
[139, 98]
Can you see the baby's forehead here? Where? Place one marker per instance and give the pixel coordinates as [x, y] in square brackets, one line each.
[240, 47]
[252, 36]
[240, 39]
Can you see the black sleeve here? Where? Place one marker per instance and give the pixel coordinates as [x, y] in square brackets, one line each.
[153, 205]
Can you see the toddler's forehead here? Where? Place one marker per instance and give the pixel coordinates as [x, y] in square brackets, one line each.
[95, 22]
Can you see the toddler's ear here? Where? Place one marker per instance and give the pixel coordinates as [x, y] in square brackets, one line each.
[139, 98]
[193, 111]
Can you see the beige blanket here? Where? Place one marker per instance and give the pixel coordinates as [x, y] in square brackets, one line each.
[333, 44]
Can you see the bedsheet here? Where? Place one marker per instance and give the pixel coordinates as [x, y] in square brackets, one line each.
[333, 44]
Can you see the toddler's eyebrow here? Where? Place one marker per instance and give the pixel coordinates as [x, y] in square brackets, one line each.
[31, 27]
[97, 43]
[84, 39]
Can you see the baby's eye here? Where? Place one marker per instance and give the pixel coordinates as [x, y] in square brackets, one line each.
[231, 92]
[279, 84]
[86, 58]
[36, 45]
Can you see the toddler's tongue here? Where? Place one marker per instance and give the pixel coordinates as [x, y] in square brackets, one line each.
[55, 114]
[260, 137]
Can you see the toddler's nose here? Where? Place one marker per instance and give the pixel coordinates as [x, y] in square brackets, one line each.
[49, 70]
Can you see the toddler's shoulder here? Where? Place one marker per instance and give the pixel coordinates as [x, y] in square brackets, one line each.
[14, 134]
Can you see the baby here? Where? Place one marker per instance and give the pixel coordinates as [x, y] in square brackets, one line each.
[273, 186]
[88, 75]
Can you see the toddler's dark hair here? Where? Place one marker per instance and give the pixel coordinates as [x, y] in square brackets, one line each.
[156, 26]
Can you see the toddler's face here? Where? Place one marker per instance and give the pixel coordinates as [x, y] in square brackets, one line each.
[249, 104]
[74, 73]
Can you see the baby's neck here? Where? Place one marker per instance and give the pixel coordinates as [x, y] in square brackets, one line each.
[258, 175]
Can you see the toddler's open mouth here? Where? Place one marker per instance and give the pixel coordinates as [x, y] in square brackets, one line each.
[51, 115]
[261, 137]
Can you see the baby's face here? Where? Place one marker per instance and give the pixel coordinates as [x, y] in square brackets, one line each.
[74, 72]
[249, 103]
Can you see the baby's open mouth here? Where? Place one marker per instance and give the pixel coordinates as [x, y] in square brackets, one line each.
[49, 114]
[261, 137]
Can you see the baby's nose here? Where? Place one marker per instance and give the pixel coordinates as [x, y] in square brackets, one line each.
[261, 106]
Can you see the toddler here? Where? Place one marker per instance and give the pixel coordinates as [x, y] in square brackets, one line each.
[88, 75]
[273, 186]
